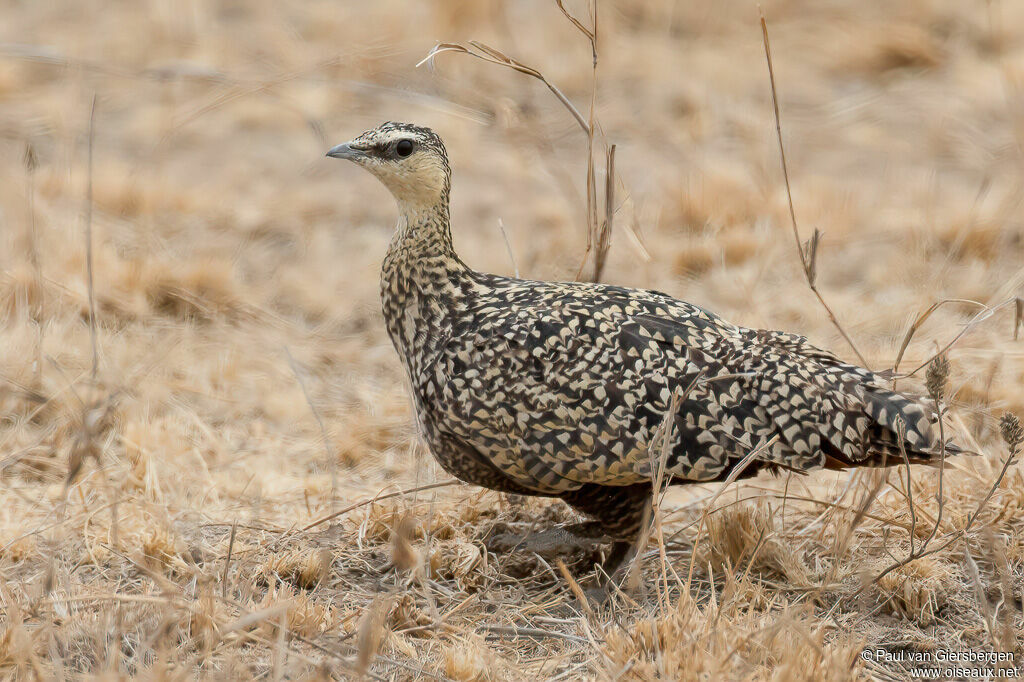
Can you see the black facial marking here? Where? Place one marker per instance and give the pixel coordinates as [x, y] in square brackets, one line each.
[422, 138]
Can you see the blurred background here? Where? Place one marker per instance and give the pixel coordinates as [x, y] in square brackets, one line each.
[224, 242]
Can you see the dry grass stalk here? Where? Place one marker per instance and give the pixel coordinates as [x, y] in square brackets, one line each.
[508, 247]
[658, 456]
[90, 284]
[379, 497]
[987, 615]
[371, 631]
[860, 513]
[981, 316]
[38, 307]
[1013, 434]
[302, 568]
[467, 660]
[657, 453]
[1018, 319]
[213, 426]
[1006, 635]
[921, 319]
[403, 555]
[917, 590]
[808, 255]
[227, 561]
[577, 591]
[489, 54]
[598, 231]
[604, 233]
[280, 652]
[730, 479]
[332, 459]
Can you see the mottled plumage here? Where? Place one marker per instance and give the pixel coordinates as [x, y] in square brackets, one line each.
[557, 389]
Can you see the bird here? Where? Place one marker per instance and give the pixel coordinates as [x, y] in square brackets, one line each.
[562, 389]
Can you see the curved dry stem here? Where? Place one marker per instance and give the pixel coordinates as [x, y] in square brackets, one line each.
[973, 322]
[921, 319]
[493, 56]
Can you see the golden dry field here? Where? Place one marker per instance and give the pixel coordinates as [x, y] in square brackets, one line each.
[166, 488]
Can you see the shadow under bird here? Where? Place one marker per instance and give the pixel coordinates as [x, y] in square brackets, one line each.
[558, 389]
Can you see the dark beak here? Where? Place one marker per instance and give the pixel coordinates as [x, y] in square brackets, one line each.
[346, 151]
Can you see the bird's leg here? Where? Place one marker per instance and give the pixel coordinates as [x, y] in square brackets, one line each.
[597, 531]
[618, 515]
[620, 551]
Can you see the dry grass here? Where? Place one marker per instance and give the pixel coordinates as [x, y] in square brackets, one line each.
[235, 275]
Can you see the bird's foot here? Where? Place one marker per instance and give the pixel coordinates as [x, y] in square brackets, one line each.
[549, 543]
[579, 544]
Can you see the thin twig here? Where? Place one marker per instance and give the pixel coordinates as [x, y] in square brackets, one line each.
[939, 493]
[378, 498]
[536, 633]
[227, 561]
[956, 536]
[901, 436]
[489, 54]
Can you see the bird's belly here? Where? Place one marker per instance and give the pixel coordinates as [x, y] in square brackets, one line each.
[468, 448]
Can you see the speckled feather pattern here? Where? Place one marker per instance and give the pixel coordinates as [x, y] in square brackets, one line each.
[558, 388]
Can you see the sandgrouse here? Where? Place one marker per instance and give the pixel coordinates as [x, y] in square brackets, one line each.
[557, 388]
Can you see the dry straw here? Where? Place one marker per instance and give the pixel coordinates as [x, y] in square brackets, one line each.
[599, 228]
[113, 569]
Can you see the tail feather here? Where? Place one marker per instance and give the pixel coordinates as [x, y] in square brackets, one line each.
[854, 418]
[896, 416]
[820, 410]
[901, 428]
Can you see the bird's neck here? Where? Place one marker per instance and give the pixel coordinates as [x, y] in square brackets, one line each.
[423, 282]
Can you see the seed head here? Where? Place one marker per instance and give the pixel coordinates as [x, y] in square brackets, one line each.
[936, 375]
[1013, 432]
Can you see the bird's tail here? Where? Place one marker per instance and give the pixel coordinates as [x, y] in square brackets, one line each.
[900, 429]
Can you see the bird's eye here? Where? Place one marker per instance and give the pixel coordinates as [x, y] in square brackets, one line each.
[404, 147]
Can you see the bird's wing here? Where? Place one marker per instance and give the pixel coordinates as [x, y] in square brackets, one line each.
[557, 396]
[822, 412]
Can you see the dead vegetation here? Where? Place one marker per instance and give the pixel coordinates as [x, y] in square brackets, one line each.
[209, 466]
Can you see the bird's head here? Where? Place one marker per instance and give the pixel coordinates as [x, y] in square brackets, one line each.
[409, 160]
